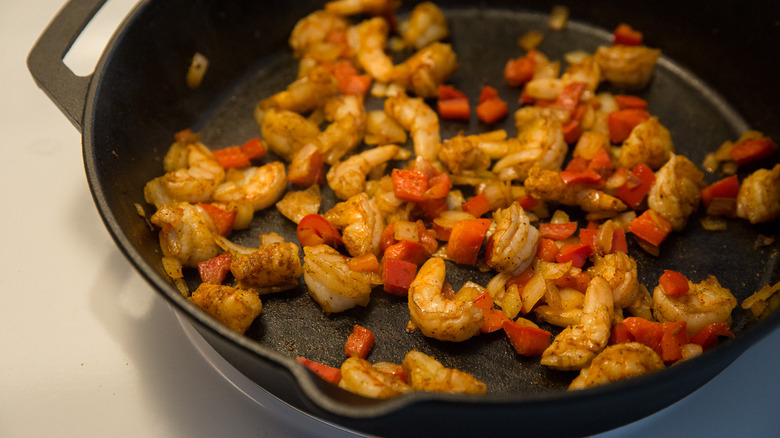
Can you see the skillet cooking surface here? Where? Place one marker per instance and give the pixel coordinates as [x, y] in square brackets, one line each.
[294, 325]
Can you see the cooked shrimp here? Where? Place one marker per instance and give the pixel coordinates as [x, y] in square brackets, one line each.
[576, 346]
[354, 7]
[436, 315]
[461, 153]
[368, 40]
[426, 24]
[187, 233]
[420, 120]
[539, 143]
[361, 377]
[586, 70]
[705, 303]
[759, 196]
[330, 281]
[548, 185]
[192, 180]
[627, 66]
[286, 132]
[259, 187]
[649, 143]
[360, 223]
[295, 205]
[424, 373]
[233, 307]
[643, 306]
[423, 72]
[618, 362]
[514, 242]
[348, 178]
[314, 29]
[619, 269]
[274, 267]
[676, 192]
[303, 95]
[347, 117]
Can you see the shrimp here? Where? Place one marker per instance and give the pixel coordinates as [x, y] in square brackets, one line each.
[368, 40]
[514, 242]
[330, 281]
[539, 143]
[429, 67]
[676, 192]
[619, 269]
[354, 7]
[420, 120]
[187, 233]
[461, 153]
[295, 205]
[348, 124]
[360, 223]
[427, 374]
[587, 71]
[303, 95]
[436, 315]
[627, 66]
[273, 267]
[192, 176]
[758, 199]
[348, 178]
[649, 143]
[426, 24]
[286, 132]
[314, 29]
[233, 307]
[705, 303]
[360, 377]
[259, 187]
[548, 185]
[618, 362]
[576, 346]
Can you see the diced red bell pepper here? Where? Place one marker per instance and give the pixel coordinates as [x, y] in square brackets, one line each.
[447, 92]
[223, 219]
[409, 185]
[364, 263]
[627, 101]
[427, 238]
[619, 241]
[586, 176]
[477, 205]
[753, 149]
[231, 156]
[527, 341]
[492, 110]
[528, 202]
[438, 186]
[214, 270]
[521, 279]
[388, 237]
[674, 283]
[646, 332]
[314, 229]
[519, 70]
[620, 334]
[650, 227]
[707, 337]
[494, 318]
[725, 188]
[306, 171]
[570, 96]
[547, 249]
[601, 163]
[454, 109]
[572, 131]
[673, 338]
[430, 209]
[635, 189]
[622, 122]
[408, 251]
[254, 149]
[488, 93]
[626, 35]
[330, 374]
[359, 342]
[397, 276]
[558, 231]
[577, 253]
[466, 239]
[578, 281]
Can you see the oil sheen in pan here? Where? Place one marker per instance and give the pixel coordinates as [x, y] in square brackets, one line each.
[293, 324]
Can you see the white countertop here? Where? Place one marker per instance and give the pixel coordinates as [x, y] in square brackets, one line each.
[88, 349]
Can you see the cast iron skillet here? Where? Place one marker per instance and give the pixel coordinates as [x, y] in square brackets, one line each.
[129, 108]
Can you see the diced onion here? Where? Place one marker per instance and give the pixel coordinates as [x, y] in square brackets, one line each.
[197, 70]
[531, 39]
[533, 291]
[558, 17]
[405, 230]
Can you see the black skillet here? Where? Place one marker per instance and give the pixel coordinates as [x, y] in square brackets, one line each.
[129, 108]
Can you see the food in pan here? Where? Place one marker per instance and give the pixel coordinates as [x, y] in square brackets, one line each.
[411, 204]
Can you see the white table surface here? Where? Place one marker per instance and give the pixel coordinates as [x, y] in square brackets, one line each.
[88, 349]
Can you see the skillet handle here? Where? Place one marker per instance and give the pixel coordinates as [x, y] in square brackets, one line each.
[45, 61]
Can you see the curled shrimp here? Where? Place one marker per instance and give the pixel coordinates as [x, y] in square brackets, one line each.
[649, 143]
[539, 143]
[233, 307]
[354, 7]
[272, 267]
[429, 67]
[619, 269]
[676, 192]
[348, 178]
[627, 66]
[259, 187]
[513, 245]
[548, 185]
[347, 117]
[436, 315]
[461, 153]
[187, 233]
[303, 95]
[314, 29]
[286, 132]
[576, 346]
[420, 120]
[331, 282]
[361, 377]
[360, 223]
[192, 179]
[424, 373]
[368, 40]
[618, 362]
[426, 24]
[758, 199]
[705, 303]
